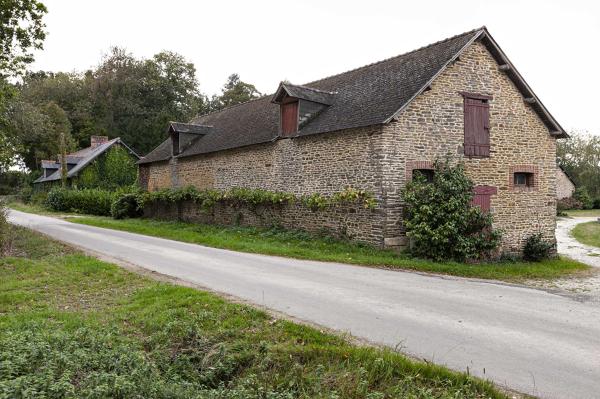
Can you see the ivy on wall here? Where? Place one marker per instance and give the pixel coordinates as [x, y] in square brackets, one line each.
[117, 168]
[257, 197]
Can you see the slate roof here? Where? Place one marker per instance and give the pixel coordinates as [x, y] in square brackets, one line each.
[370, 95]
[303, 92]
[188, 128]
[82, 158]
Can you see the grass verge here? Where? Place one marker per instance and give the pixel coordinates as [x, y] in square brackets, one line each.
[587, 233]
[73, 326]
[583, 212]
[301, 245]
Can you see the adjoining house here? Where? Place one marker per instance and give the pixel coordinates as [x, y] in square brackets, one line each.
[78, 161]
[370, 128]
[565, 186]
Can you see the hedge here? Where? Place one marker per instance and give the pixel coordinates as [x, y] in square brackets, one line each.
[89, 201]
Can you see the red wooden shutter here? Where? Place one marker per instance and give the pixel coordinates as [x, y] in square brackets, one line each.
[477, 127]
[482, 197]
[289, 118]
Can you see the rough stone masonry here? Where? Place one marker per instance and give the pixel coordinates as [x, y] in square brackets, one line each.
[380, 158]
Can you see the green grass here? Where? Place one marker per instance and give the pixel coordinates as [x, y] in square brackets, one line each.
[583, 212]
[34, 208]
[304, 246]
[300, 245]
[587, 233]
[73, 326]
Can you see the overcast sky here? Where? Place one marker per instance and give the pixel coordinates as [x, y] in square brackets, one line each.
[554, 44]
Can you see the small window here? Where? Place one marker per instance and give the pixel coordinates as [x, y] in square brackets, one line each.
[522, 179]
[426, 173]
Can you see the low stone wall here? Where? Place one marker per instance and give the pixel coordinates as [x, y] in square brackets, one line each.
[353, 222]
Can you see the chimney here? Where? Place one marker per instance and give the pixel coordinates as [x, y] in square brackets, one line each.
[98, 140]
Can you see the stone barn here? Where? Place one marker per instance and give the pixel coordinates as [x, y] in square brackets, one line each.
[565, 187]
[370, 128]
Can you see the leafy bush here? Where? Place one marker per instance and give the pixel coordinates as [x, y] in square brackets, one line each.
[12, 181]
[564, 204]
[596, 203]
[25, 194]
[126, 205]
[536, 249]
[6, 232]
[257, 197]
[90, 201]
[441, 221]
[581, 194]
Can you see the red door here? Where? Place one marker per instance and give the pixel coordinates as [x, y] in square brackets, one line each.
[482, 197]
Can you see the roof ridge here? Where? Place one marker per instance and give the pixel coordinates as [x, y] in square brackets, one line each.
[230, 106]
[305, 85]
[401, 55]
[311, 88]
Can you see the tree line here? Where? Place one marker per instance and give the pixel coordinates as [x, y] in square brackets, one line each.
[579, 156]
[122, 97]
[44, 113]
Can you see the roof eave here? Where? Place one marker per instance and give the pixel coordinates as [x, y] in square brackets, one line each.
[555, 129]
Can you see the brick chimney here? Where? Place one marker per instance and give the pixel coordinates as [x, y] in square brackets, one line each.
[98, 140]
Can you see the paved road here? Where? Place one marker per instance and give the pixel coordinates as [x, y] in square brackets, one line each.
[529, 340]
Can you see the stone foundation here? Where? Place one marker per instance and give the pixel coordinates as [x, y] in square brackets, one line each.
[351, 222]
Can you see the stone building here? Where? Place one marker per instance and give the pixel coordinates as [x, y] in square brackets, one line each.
[565, 187]
[78, 161]
[371, 127]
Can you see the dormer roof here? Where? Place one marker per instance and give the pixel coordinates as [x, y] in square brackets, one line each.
[311, 94]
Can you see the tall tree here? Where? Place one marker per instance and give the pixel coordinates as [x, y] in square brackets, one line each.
[22, 32]
[580, 157]
[235, 91]
[134, 99]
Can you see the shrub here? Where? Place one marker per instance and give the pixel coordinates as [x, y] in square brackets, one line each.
[536, 248]
[126, 205]
[25, 194]
[6, 232]
[565, 204]
[90, 201]
[441, 221]
[596, 204]
[581, 194]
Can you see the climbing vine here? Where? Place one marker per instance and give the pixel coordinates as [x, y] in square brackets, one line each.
[257, 197]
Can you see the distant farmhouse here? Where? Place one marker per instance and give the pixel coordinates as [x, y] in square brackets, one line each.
[79, 162]
[371, 128]
[565, 187]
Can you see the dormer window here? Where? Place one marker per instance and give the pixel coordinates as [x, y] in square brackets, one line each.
[183, 134]
[289, 118]
[298, 105]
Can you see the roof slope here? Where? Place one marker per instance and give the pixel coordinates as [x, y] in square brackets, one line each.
[370, 95]
[83, 158]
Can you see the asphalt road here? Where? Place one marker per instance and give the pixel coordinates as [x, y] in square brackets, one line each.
[529, 340]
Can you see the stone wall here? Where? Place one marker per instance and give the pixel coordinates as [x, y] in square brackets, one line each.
[432, 127]
[325, 163]
[381, 158]
[352, 222]
[564, 186]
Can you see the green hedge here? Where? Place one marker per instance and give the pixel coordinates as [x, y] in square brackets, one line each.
[89, 201]
[257, 197]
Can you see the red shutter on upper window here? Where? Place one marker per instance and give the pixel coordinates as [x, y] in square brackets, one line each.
[477, 127]
[289, 118]
[482, 197]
